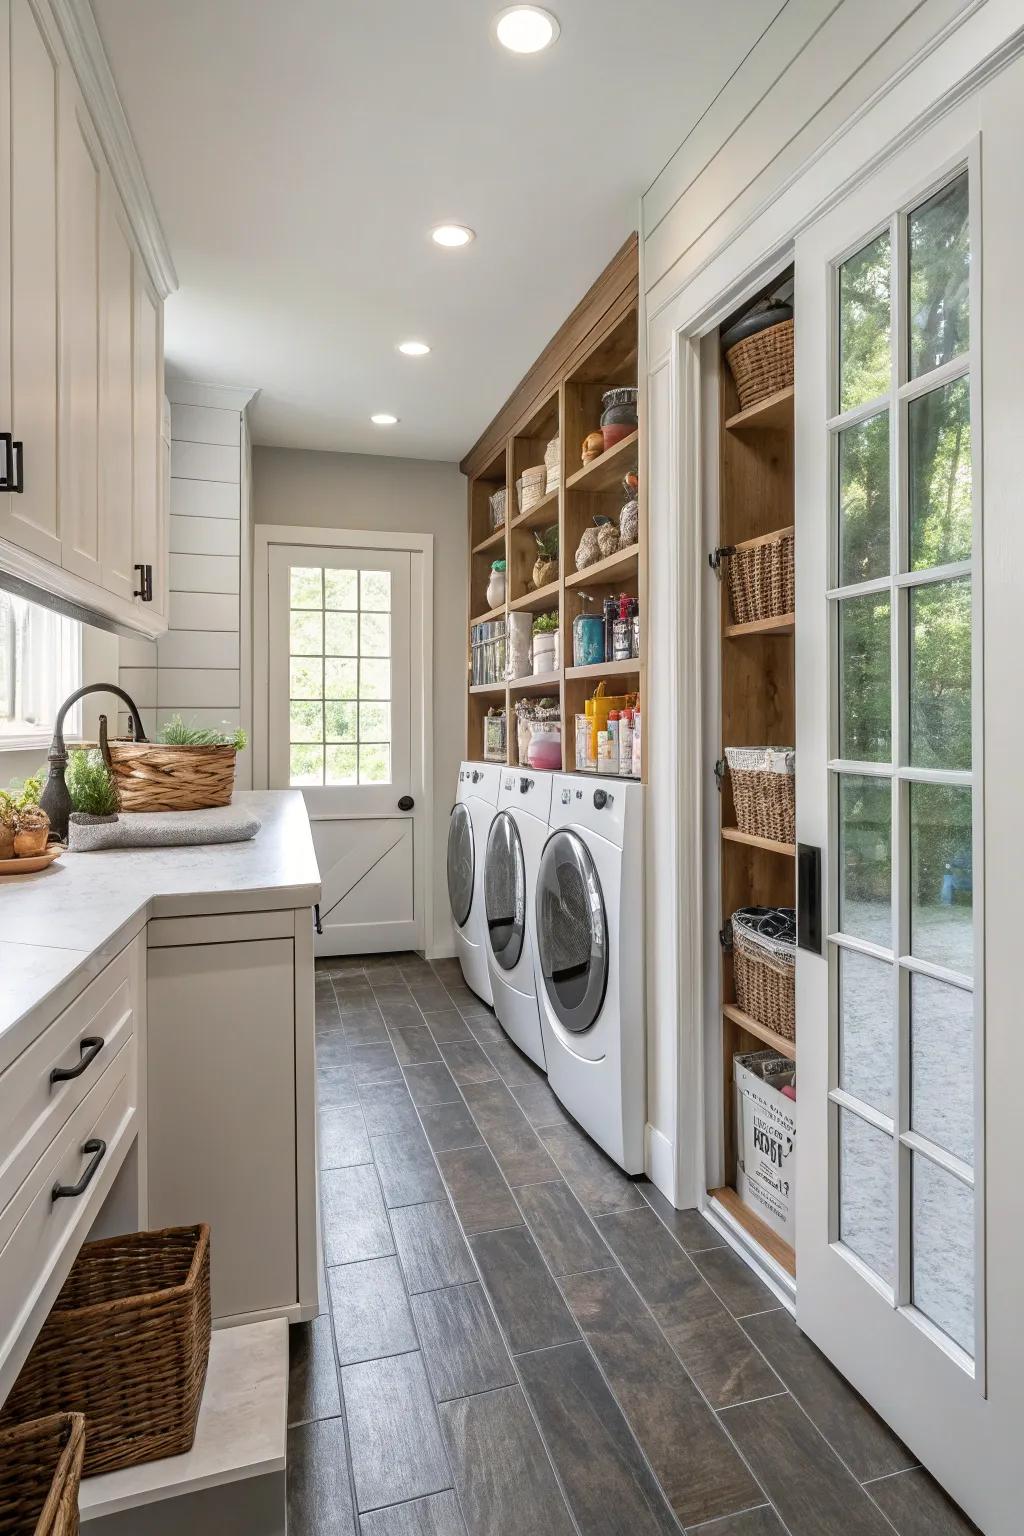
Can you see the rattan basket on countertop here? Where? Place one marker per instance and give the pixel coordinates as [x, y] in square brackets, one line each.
[40, 1474]
[159, 776]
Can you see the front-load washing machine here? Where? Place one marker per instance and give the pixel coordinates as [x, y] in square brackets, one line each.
[470, 822]
[590, 953]
[514, 844]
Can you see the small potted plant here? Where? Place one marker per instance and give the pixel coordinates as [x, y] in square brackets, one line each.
[545, 643]
[545, 567]
[24, 825]
[94, 797]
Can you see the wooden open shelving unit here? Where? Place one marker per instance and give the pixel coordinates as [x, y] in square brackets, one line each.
[596, 349]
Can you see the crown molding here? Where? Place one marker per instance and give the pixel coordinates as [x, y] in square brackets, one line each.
[92, 70]
[219, 397]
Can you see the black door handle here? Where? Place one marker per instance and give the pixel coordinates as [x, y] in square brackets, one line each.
[90, 1048]
[406, 803]
[808, 897]
[13, 478]
[71, 1191]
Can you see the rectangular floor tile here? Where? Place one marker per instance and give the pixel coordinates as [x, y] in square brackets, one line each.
[393, 1433]
[336, 1087]
[413, 1044]
[371, 1311]
[355, 1223]
[312, 1372]
[481, 1198]
[689, 1228]
[366, 1028]
[734, 1282]
[332, 1048]
[809, 1486]
[501, 1468]
[865, 1443]
[462, 1347]
[917, 1506]
[446, 1024]
[369, 1061]
[467, 1062]
[343, 1138]
[753, 1522]
[431, 1084]
[431, 1246]
[387, 1109]
[510, 1136]
[403, 1015]
[539, 1104]
[437, 1515]
[699, 1471]
[484, 1027]
[406, 1167]
[524, 1296]
[711, 1344]
[594, 1179]
[564, 1233]
[511, 1064]
[319, 1492]
[450, 1125]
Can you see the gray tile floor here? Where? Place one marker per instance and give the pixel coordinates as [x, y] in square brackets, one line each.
[520, 1340]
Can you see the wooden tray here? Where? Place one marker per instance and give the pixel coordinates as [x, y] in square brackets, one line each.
[29, 865]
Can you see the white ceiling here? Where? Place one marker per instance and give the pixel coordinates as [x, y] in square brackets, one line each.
[300, 150]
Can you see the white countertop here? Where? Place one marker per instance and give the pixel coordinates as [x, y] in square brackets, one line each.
[58, 928]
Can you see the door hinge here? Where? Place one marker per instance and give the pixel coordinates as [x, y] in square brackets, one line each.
[145, 587]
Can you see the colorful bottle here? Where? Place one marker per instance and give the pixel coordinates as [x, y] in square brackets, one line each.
[626, 743]
[622, 629]
[604, 752]
[636, 741]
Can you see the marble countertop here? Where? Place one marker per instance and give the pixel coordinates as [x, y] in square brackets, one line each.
[60, 927]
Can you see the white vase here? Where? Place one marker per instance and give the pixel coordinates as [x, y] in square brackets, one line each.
[545, 654]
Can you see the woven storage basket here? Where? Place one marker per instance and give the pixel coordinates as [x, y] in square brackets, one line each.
[762, 364]
[40, 1473]
[761, 578]
[764, 791]
[534, 481]
[127, 1344]
[764, 966]
[496, 503]
[152, 776]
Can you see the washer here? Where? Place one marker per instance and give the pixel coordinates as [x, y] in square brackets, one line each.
[590, 973]
[470, 821]
[514, 844]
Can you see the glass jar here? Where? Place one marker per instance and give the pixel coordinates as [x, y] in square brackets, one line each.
[545, 751]
[496, 585]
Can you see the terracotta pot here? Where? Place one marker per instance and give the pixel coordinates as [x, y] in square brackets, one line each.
[31, 842]
[6, 842]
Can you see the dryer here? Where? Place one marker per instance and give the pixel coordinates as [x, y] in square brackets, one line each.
[475, 803]
[514, 844]
[590, 953]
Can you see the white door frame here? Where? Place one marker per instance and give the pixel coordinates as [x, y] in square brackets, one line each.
[268, 535]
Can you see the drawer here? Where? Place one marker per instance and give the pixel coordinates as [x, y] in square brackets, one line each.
[34, 1106]
[40, 1235]
[227, 928]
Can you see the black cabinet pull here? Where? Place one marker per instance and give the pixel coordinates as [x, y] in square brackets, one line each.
[71, 1191]
[808, 897]
[406, 803]
[13, 478]
[90, 1047]
[145, 586]
[317, 924]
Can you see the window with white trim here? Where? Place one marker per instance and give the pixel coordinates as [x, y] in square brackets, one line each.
[40, 664]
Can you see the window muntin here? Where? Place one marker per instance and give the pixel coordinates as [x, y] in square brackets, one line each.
[40, 664]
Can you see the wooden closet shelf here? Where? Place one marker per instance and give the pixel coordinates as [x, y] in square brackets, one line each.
[487, 688]
[734, 835]
[625, 563]
[605, 473]
[537, 602]
[493, 539]
[759, 1230]
[543, 511]
[538, 683]
[782, 624]
[773, 414]
[744, 1021]
[485, 618]
[601, 669]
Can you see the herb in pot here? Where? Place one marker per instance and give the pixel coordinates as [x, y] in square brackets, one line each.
[175, 733]
[91, 785]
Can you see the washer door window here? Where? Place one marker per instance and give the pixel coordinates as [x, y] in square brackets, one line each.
[505, 891]
[461, 864]
[572, 931]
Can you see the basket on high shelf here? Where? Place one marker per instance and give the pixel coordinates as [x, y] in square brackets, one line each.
[764, 966]
[764, 791]
[127, 1343]
[762, 364]
[40, 1473]
[159, 776]
[761, 577]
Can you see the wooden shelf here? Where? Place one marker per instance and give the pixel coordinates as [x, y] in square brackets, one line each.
[743, 1020]
[538, 602]
[538, 683]
[759, 1230]
[734, 835]
[543, 511]
[487, 688]
[605, 473]
[782, 624]
[623, 564]
[601, 669]
[773, 414]
[485, 618]
[497, 537]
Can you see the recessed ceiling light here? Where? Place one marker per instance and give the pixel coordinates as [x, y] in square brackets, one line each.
[526, 29]
[384, 419]
[413, 348]
[451, 234]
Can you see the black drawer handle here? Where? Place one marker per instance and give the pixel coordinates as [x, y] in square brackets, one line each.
[71, 1191]
[90, 1047]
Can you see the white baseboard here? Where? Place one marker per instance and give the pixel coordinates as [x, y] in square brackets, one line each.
[440, 952]
[661, 1163]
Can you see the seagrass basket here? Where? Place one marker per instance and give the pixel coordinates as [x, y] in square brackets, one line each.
[40, 1473]
[762, 364]
[764, 791]
[761, 577]
[155, 776]
[764, 966]
[126, 1344]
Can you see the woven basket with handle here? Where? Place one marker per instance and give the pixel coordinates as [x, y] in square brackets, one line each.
[761, 577]
[764, 791]
[762, 364]
[40, 1473]
[764, 966]
[155, 776]
[127, 1344]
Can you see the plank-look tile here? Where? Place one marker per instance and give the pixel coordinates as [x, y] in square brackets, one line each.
[355, 1223]
[539, 1104]
[371, 1311]
[853, 1429]
[402, 1015]
[482, 1199]
[467, 1062]
[387, 1109]
[413, 1044]
[462, 1347]
[608, 1485]
[406, 1167]
[312, 1372]
[811, 1489]
[597, 1183]
[431, 1246]
[366, 1029]
[753, 1522]
[562, 1230]
[711, 1344]
[525, 1299]
[369, 1062]
[431, 1083]
[446, 1024]
[343, 1138]
[336, 1087]
[327, 1014]
[689, 1228]
[319, 1492]
[461, 995]
[502, 1471]
[511, 1065]
[700, 1472]
[734, 1282]
[484, 1029]
[436, 1515]
[332, 1049]
[508, 1133]
[917, 1506]
[396, 1446]
[450, 1125]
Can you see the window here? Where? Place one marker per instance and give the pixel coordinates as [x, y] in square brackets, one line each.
[40, 664]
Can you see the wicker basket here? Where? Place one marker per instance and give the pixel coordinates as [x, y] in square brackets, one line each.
[533, 482]
[152, 776]
[761, 577]
[127, 1344]
[764, 966]
[762, 364]
[764, 791]
[40, 1472]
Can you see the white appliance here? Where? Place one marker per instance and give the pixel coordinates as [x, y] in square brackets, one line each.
[590, 953]
[470, 822]
[514, 844]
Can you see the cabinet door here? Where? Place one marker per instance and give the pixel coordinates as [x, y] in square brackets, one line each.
[149, 515]
[30, 63]
[117, 299]
[221, 1075]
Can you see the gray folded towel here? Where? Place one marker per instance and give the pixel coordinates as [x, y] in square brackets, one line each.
[160, 829]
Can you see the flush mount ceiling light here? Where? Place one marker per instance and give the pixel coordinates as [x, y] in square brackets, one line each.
[413, 348]
[451, 234]
[384, 419]
[526, 29]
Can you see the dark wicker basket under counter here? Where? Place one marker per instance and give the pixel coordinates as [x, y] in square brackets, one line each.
[126, 1344]
[40, 1474]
